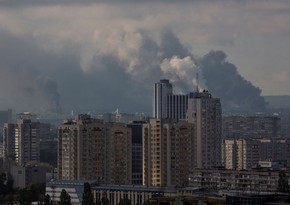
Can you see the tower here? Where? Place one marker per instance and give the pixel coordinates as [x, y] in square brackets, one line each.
[22, 139]
[166, 104]
[204, 112]
[161, 90]
[167, 152]
[89, 149]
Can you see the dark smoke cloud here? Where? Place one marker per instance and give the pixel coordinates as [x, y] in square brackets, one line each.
[224, 81]
[44, 80]
[22, 85]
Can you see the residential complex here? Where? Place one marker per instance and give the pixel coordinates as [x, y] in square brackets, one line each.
[245, 154]
[90, 149]
[255, 181]
[204, 112]
[181, 149]
[21, 140]
[167, 152]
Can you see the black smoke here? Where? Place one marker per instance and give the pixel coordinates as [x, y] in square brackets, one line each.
[224, 81]
[48, 81]
[23, 86]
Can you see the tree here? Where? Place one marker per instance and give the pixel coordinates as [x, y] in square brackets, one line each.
[24, 197]
[64, 198]
[283, 185]
[124, 201]
[98, 202]
[6, 184]
[88, 198]
[105, 201]
[47, 200]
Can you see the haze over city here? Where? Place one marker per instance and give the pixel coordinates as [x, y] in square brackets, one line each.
[58, 56]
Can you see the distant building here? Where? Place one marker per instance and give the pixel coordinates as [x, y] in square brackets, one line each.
[167, 152]
[160, 92]
[204, 112]
[48, 151]
[136, 128]
[75, 189]
[114, 193]
[89, 149]
[121, 117]
[166, 104]
[21, 140]
[1, 150]
[198, 108]
[245, 154]
[5, 117]
[255, 181]
[28, 174]
[238, 127]
[118, 169]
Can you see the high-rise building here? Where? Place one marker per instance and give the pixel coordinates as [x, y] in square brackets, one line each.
[21, 140]
[176, 106]
[89, 149]
[204, 112]
[81, 148]
[166, 104]
[118, 154]
[167, 152]
[161, 90]
[136, 127]
[5, 117]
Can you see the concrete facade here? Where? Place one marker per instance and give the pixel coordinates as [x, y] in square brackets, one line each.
[167, 152]
[254, 181]
[204, 112]
[21, 141]
[246, 153]
[89, 149]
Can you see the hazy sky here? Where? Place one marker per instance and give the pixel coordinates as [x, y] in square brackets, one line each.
[99, 55]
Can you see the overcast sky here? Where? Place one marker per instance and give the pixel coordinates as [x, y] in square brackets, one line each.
[99, 55]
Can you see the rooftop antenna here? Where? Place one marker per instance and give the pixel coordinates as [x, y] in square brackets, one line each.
[197, 89]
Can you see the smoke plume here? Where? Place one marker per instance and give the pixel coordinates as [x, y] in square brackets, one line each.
[183, 70]
[108, 68]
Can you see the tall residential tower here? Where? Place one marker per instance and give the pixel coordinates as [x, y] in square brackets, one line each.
[204, 112]
[21, 140]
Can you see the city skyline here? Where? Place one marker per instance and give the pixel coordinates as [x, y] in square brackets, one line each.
[109, 53]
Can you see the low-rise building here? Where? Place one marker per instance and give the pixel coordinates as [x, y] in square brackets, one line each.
[114, 193]
[31, 173]
[255, 181]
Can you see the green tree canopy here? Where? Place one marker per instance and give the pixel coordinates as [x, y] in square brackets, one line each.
[124, 201]
[105, 201]
[283, 185]
[64, 198]
[88, 198]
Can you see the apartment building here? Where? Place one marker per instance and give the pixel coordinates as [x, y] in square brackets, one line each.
[246, 153]
[89, 149]
[21, 140]
[167, 152]
[231, 180]
[204, 112]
